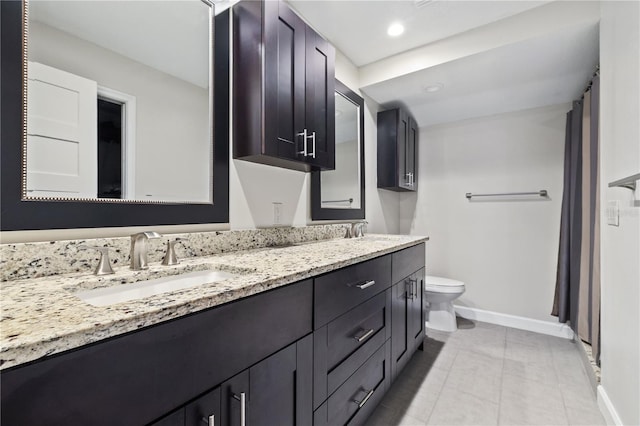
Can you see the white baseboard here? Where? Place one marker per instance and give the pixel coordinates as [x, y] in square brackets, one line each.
[607, 409]
[523, 323]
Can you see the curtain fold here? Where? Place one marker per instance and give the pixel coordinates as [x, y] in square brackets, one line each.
[577, 293]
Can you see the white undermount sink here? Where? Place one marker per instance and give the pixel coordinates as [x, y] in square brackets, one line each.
[142, 289]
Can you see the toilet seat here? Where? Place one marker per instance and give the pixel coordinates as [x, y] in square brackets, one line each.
[443, 285]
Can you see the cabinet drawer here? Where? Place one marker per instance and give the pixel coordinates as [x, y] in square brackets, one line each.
[338, 354]
[347, 333]
[355, 399]
[406, 262]
[337, 292]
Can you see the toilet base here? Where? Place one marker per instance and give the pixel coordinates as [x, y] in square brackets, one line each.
[442, 317]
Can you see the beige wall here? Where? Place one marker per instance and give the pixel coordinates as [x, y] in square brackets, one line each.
[505, 251]
[253, 188]
[620, 157]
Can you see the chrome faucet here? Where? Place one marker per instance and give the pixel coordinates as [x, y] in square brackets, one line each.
[359, 229]
[139, 249]
[356, 230]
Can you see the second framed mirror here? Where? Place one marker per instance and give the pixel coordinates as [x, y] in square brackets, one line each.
[339, 194]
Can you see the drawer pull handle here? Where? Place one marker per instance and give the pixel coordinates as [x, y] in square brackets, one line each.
[243, 407]
[410, 293]
[364, 336]
[366, 284]
[210, 421]
[366, 398]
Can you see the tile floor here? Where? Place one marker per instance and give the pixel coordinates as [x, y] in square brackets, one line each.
[485, 374]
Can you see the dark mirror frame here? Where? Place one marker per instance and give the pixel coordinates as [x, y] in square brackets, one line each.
[18, 214]
[319, 213]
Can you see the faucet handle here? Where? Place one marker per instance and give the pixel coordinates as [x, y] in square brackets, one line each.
[348, 234]
[170, 257]
[104, 264]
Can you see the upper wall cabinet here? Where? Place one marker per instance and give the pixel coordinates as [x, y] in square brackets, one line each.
[283, 89]
[397, 151]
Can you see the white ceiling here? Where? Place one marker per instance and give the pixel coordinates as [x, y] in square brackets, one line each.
[490, 56]
[170, 36]
[548, 70]
[359, 28]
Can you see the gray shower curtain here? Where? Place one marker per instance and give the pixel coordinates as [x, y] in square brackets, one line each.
[577, 295]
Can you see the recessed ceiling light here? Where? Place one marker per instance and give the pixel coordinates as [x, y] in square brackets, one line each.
[433, 87]
[395, 29]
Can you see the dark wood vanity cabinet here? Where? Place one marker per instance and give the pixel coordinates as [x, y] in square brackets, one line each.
[139, 377]
[352, 331]
[397, 150]
[320, 101]
[407, 307]
[275, 391]
[283, 85]
[321, 351]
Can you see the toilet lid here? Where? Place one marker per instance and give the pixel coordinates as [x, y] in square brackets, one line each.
[432, 281]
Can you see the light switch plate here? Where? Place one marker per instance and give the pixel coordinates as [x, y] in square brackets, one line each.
[613, 213]
[277, 213]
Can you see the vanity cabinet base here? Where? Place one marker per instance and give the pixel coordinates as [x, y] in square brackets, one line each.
[260, 358]
[137, 378]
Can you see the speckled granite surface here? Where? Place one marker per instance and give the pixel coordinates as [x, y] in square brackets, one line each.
[33, 260]
[42, 316]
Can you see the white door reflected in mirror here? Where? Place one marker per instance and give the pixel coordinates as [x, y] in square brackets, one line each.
[119, 104]
[340, 188]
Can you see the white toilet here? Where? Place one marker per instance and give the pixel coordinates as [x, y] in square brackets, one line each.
[440, 293]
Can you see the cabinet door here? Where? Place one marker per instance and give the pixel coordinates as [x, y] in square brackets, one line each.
[402, 138]
[174, 419]
[204, 410]
[284, 86]
[276, 391]
[411, 158]
[320, 101]
[416, 310]
[400, 343]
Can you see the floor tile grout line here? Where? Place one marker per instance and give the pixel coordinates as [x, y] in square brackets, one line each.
[564, 402]
[441, 387]
[453, 350]
[504, 355]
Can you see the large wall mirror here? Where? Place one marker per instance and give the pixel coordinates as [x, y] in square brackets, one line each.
[122, 113]
[339, 194]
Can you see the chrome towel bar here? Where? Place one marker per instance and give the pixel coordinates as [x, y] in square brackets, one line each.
[541, 193]
[350, 200]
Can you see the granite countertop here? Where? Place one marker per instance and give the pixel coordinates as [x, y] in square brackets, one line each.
[42, 316]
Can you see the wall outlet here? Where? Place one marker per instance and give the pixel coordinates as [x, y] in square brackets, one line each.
[613, 213]
[277, 213]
